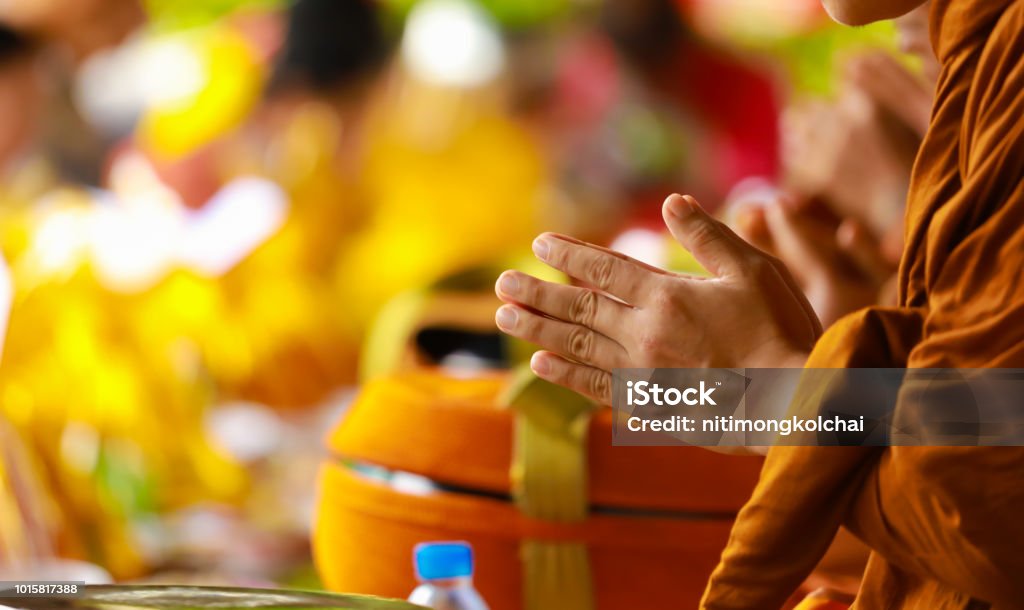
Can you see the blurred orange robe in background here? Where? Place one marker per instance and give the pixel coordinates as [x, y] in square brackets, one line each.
[946, 525]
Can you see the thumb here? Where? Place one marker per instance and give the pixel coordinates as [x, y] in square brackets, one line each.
[712, 243]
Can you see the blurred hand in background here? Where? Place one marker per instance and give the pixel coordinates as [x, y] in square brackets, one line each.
[838, 262]
[847, 166]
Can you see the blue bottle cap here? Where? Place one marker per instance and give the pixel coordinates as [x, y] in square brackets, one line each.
[440, 560]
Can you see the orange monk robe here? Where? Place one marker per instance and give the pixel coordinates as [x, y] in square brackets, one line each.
[946, 525]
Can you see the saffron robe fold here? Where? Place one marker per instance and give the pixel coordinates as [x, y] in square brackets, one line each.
[945, 524]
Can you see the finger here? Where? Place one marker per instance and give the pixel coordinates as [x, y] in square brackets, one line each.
[713, 244]
[894, 88]
[591, 382]
[723, 252]
[579, 343]
[886, 78]
[624, 257]
[752, 226]
[863, 249]
[616, 274]
[807, 249]
[581, 306]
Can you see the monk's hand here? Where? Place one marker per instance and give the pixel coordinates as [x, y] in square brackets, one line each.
[750, 313]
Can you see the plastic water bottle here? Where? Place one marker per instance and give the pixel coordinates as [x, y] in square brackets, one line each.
[445, 572]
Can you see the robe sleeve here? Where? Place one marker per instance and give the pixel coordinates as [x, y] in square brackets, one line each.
[804, 492]
[946, 519]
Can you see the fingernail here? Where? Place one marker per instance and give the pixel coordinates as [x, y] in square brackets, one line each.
[539, 364]
[790, 203]
[506, 318]
[846, 234]
[776, 213]
[746, 217]
[508, 284]
[681, 206]
[541, 248]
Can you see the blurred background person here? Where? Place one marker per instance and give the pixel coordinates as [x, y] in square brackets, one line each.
[22, 95]
[297, 137]
[87, 398]
[729, 96]
[630, 100]
[80, 28]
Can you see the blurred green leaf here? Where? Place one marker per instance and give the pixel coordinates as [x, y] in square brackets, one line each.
[512, 14]
[183, 14]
